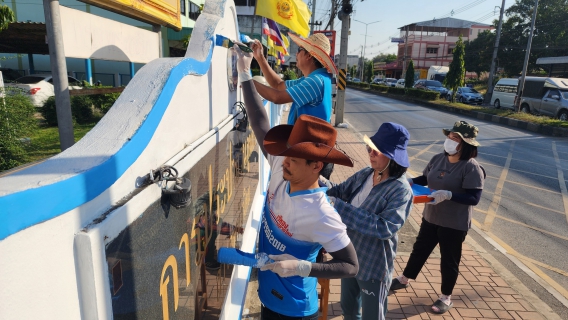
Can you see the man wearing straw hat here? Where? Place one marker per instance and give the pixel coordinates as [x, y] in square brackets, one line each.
[298, 219]
[310, 94]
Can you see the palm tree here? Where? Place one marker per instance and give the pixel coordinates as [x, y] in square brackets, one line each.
[6, 16]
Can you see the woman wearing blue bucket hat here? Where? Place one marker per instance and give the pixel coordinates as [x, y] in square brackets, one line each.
[374, 204]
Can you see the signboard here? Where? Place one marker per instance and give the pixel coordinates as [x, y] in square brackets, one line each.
[397, 40]
[155, 12]
[164, 265]
[330, 34]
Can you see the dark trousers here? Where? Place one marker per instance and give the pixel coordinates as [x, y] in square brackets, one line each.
[450, 241]
[267, 314]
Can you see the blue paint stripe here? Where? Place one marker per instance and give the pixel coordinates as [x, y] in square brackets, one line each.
[26, 208]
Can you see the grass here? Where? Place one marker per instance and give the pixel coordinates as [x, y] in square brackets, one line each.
[45, 143]
[537, 119]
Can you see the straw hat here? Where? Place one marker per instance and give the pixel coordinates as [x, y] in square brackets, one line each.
[319, 47]
[309, 138]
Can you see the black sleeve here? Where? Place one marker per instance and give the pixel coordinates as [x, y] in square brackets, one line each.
[343, 265]
[420, 181]
[471, 197]
[256, 114]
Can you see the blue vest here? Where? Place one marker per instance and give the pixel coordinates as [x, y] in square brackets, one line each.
[323, 110]
[293, 296]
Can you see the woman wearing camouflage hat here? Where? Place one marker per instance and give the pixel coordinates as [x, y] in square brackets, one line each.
[458, 180]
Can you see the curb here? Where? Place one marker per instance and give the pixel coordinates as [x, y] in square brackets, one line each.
[519, 124]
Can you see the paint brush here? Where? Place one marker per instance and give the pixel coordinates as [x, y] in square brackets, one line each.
[223, 41]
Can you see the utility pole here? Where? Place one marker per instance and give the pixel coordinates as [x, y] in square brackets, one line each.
[404, 58]
[365, 46]
[344, 16]
[332, 17]
[313, 17]
[362, 65]
[489, 93]
[59, 73]
[526, 63]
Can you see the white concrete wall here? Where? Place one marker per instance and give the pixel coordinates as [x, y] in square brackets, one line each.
[104, 39]
[47, 208]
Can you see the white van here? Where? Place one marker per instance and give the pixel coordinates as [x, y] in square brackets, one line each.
[504, 93]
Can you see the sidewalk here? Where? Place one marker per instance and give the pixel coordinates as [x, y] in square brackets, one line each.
[484, 290]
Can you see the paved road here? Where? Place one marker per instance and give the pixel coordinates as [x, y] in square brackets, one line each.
[524, 206]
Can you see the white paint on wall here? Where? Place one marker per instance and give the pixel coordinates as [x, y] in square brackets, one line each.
[105, 39]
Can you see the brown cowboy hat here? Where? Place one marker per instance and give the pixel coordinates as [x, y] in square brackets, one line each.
[319, 47]
[309, 138]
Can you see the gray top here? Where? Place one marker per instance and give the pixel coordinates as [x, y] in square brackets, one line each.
[455, 177]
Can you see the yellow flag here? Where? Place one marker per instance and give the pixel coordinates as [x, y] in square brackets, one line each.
[293, 14]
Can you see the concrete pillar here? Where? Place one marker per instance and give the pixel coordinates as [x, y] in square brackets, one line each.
[117, 79]
[31, 63]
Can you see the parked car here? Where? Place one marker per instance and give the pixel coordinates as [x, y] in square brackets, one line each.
[432, 85]
[391, 82]
[466, 95]
[546, 96]
[9, 75]
[378, 81]
[356, 80]
[504, 93]
[400, 83]
[39, 87]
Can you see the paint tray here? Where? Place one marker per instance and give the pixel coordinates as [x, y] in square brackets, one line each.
[421, 193]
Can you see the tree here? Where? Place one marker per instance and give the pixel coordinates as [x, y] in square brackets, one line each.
[550, 36]
[6, 16]
[385, 57]
[353, 71]
[409, 77]
[479, 53]
[454, 78]
[369, 71]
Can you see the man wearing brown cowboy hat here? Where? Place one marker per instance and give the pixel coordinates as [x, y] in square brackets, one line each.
[298, 219]
[310, 94]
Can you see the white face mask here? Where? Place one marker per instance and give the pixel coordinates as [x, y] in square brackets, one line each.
[451, 146]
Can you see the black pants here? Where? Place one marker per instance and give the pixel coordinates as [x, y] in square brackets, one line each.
[450, 241]
[267, 314]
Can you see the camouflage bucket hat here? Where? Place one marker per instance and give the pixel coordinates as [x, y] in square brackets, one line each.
[468, 132]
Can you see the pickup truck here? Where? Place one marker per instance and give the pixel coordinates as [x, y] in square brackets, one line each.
[546, 96]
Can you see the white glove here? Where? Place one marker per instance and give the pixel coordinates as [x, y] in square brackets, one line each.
[410, 182]
[286, 265]
[243, 64]
[439, 196]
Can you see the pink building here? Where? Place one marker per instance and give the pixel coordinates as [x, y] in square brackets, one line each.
[431, 43]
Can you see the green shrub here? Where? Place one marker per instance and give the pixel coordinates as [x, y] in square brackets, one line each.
[395, 90]
[379, 87]
[16, 122]
[81, 110]
[103, 102]
[290, 75]
[423, 94]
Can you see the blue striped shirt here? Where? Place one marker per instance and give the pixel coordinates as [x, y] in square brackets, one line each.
[374, 225]
[310, 95]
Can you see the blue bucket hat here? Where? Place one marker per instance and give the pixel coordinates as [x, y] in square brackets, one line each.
[391, 140]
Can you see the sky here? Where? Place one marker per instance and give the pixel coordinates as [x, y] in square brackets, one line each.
[393, 14]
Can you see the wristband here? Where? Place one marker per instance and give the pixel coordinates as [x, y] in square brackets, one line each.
[244, 76]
